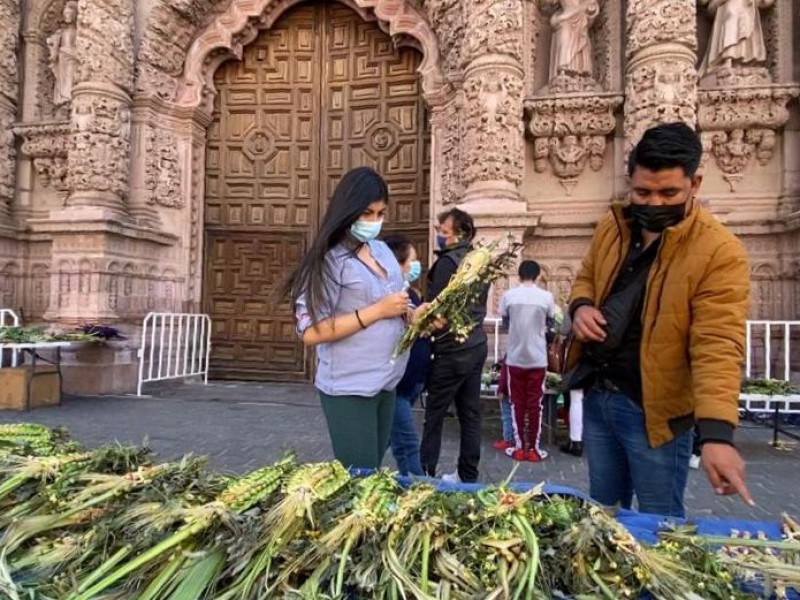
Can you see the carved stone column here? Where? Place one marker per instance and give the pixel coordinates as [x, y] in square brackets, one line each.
[100, 148]
[660, 76]
[492, 145]
[9, 89]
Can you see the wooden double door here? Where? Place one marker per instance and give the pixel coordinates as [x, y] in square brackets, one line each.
[321, 92]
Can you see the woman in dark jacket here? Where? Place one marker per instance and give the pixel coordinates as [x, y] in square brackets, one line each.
[404, 440]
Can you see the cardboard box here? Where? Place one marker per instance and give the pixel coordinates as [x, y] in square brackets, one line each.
[17, 382]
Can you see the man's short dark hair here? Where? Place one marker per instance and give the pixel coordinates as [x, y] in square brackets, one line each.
[462, 222]
[666, 147]
[529, 270]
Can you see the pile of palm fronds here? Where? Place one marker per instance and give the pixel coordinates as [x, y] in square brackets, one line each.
[111, 524]
[36, 335]
[476, 272]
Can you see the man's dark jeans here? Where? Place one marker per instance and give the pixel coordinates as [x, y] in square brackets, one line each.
[455, 377]
[622, 463]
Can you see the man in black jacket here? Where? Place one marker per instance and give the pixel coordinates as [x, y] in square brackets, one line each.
[455, 373]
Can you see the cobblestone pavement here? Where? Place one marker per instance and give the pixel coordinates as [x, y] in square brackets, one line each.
[243, 425]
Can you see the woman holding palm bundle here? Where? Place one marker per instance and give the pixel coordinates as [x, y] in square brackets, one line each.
[351, 304]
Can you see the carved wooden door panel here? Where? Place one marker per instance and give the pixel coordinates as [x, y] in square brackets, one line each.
[374, 115]
[321, 92]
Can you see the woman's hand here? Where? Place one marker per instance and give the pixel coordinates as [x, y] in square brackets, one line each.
[393, 305]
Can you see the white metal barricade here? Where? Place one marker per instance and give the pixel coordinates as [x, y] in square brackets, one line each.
[8, 318]
[765, 339]
[496, 323]
[174, 346]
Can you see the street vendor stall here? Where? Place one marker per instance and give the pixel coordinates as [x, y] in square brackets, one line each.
[80, 525]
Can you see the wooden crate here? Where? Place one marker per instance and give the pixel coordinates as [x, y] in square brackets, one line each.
[44, 388]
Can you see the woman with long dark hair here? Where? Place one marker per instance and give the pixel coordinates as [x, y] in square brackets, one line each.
[351, 304]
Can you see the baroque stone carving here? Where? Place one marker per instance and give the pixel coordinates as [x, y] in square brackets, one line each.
[659, 92]
[48, 145]
[447, 20]
[652, 23]
[9, 81]
[446, 125]
[100, 147]
[493, 27]
[239, 24]
[661, 79]
[163, 173]
[738, 124]
[63, 59]
[492, 133]
[570, 132]
[105, 42]
[171, 26]
[736, 51]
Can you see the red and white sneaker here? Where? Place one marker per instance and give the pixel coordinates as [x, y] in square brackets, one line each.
[534, 456]
[517, 454]
[502, 445]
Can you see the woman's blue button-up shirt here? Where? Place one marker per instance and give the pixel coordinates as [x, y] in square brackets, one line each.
[362, 364]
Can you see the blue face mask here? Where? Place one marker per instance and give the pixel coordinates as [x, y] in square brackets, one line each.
[441, 241]
[414, 271]
[366, 231]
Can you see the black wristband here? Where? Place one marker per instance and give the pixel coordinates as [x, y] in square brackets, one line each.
[360, 322]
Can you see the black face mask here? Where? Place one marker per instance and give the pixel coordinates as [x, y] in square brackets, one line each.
[657, 218]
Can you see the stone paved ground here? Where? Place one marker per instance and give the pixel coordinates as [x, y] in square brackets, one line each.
[242, 425]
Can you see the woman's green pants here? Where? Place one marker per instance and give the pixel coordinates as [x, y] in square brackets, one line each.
[359, 427]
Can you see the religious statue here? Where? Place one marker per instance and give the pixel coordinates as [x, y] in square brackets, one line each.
[63, 60]
[570, 46]
[736, 38]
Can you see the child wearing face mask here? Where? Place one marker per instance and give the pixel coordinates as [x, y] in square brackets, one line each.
[403, 438]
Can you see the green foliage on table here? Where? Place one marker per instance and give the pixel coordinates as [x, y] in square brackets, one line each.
[769, 387]
[35, 335]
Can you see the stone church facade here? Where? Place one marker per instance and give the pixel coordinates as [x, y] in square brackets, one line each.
[176, 155]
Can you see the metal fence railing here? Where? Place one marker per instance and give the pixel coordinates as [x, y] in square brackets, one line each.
[769, 349]
[174, 346]
[770, 353]
[9, 318]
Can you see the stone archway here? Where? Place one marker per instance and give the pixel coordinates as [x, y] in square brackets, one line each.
[239, 24]
[182, 46]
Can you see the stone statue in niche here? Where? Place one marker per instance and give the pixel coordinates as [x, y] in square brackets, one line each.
[63, 59]
[571, 46]
[736, 46]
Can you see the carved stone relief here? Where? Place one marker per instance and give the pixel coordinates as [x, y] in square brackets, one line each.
[661, 79]
[100, 147]
[659, 92]
[9, 82]
[492, 27]
[162, 169]
[47, 145]
[171, 27]
[447, 127]
[447, 20]
[493, 132]
[570, 132]
[738, 124]
[105, 42]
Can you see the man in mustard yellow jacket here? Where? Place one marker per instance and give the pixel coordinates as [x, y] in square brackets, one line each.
[659, 309]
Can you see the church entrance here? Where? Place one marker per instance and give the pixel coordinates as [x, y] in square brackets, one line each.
[319, 93]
